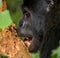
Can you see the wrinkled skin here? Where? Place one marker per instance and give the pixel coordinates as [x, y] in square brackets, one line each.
[41, 22]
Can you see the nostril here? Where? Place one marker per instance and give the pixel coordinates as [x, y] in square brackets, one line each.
[20, 23]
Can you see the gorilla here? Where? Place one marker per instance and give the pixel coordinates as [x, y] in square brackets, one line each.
[41, 24]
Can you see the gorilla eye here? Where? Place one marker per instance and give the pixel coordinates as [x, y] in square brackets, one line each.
[27, 13]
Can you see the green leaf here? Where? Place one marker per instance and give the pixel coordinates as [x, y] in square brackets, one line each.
[16, 16]
[3, 56]
[1, 3]
[36, 55]
[5, 19]
[56, 53]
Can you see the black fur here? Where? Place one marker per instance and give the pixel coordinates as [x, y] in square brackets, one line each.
[41, 21]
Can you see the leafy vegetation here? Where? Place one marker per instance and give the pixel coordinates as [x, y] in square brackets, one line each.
[56, 53]
[5, 19]
[36, 55]
[3, 56]
[0, 3]
[15, 11]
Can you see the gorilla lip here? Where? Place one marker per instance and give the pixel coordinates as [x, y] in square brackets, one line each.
[27, 38]
[27, 41]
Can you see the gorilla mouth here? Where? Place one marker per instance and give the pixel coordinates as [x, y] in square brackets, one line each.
[27, 41]
[27, 38]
